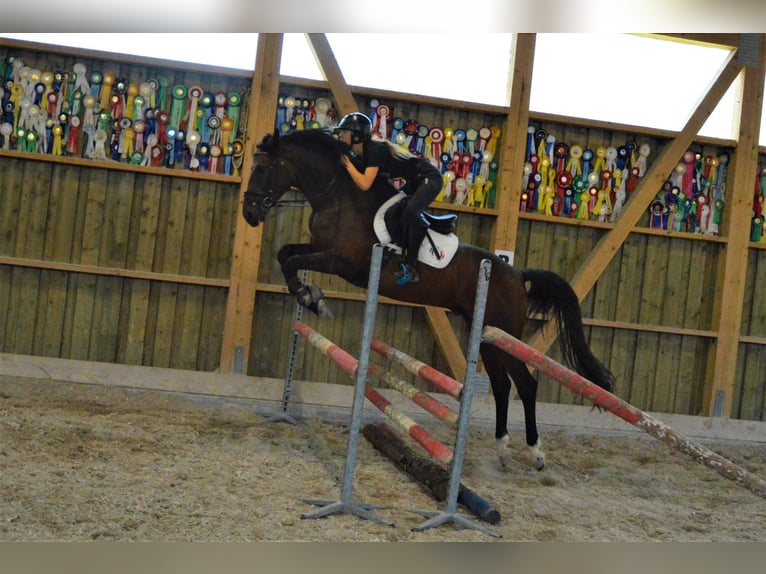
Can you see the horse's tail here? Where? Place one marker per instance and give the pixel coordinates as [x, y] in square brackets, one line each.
[551, 296]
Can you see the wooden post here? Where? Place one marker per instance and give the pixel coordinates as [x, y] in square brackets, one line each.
[240, 305]
[730, 291]
[514, 140]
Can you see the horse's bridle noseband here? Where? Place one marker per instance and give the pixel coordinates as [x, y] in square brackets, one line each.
[266, 200]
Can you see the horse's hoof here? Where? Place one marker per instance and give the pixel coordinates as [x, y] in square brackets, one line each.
[501, 444]
[323, 309]
[538, 456]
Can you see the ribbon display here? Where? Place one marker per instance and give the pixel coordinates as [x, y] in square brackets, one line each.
[101, 115]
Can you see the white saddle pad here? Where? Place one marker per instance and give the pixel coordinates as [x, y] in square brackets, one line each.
[446, 245]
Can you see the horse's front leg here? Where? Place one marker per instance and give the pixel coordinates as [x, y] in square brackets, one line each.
[291, 258]
[296, 256]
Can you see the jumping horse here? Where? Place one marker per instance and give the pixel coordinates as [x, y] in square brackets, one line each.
[342, 236]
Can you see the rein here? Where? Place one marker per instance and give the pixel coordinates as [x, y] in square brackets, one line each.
[267, 201]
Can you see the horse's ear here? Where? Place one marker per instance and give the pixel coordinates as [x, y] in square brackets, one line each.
[269, 142]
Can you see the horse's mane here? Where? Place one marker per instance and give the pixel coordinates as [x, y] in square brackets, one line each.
[319, 139]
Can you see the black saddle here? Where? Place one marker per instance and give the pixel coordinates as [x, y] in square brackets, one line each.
[444, 224]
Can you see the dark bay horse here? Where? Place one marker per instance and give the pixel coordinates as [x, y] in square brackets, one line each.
[342, 237]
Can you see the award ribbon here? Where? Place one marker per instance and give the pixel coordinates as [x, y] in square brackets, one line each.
[131, 92]
[600, 163]
[178, 106]
[215, 154]
[73, 139]
[219, 103]
[233, 110]
[484, 134]
[687, 181]
[382, 113]
[107, 81]
[495, 133]
[57, 132]
[611, 158]
[374, 103]
[471, 138]
[139, 126]
[238, 153]
[146, 91]
[227, 129]
[436, 136]
[195, 94]
[643, 152]
[448, 141]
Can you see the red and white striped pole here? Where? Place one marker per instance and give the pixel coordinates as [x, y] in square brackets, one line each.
[622, 409]
[425, 372]
[349, 365]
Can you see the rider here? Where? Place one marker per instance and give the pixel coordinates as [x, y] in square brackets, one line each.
[386, 160]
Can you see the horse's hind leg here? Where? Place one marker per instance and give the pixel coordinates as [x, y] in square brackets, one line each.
[526, 385]
[502, 368]
[501, 391]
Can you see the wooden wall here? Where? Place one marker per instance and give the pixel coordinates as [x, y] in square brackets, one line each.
[132, 265]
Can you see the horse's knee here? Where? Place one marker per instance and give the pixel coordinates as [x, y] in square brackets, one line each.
[283, 254]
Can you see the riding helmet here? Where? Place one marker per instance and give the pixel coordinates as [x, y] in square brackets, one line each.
[358, 124]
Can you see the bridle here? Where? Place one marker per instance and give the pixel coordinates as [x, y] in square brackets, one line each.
[270, 198]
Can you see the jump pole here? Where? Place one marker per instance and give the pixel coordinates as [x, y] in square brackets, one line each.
[622, 409]
[349, 365]
[345, 504]
[425, 372]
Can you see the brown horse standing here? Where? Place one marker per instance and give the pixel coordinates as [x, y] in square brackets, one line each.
[342, 237]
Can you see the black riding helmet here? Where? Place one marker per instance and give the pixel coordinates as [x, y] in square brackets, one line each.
[358, 124]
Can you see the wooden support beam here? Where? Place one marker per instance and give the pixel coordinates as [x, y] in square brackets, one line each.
[608, 246]
[710, 39]
[514, 140]
[345, 103]
[344, 99]
[730, 288]
[447, 341]
[240, 304]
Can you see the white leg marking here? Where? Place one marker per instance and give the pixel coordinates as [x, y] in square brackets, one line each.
[501, 444]
[538, 456]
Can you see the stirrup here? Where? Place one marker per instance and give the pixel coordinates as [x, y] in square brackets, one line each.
[405, 275]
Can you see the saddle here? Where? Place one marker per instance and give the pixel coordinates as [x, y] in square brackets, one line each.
[440, 243]
[444, 224]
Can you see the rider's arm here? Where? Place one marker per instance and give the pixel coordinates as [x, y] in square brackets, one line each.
[363, 180]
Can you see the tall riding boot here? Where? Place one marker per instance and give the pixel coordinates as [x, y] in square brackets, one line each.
[413, 237]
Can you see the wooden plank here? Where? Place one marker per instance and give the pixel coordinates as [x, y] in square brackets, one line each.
[608, 246]
[165, 344]
[240, 305]
[730, 291]
[147, 201]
